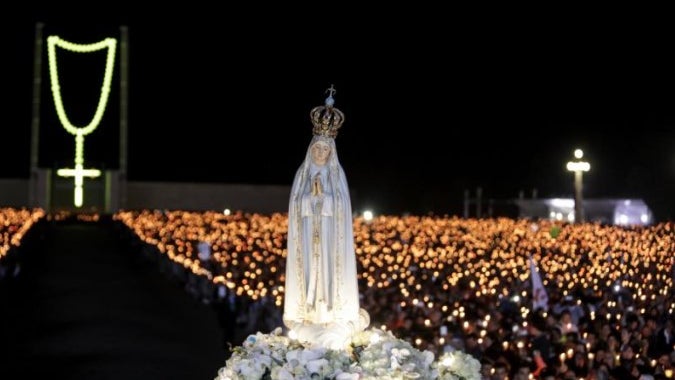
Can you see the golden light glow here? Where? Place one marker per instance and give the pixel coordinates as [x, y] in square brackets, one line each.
[14, 223]
[249, 253]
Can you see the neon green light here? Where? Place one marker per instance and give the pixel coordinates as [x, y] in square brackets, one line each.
[78, 173]
[110, 44]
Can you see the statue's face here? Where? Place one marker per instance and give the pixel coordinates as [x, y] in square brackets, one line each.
[320, 153]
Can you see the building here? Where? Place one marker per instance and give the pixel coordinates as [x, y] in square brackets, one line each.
[624, 212]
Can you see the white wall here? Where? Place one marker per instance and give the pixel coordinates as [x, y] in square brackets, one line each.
[176, 195]
[13, 192]
[201, 196]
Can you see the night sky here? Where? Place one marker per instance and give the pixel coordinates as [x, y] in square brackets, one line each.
[430, 110]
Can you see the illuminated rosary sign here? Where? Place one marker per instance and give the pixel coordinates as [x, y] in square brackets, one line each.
[79, 172]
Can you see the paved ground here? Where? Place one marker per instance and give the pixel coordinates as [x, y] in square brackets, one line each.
[86, 307]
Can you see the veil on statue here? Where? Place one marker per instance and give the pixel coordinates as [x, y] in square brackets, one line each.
[321, 302]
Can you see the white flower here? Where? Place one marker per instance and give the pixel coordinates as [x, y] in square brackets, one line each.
[458, 364]
[309, 355]
[347, 376]
[250, 369]
[318, 366]
[281, 373]
[374, 355]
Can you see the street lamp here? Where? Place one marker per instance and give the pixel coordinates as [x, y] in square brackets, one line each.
[578, 167]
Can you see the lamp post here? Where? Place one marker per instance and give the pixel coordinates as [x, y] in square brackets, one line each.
[578, 167]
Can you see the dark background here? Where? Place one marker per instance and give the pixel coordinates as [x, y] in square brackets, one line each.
[435, 103]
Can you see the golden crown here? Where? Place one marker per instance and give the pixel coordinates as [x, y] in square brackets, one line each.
[327, 119]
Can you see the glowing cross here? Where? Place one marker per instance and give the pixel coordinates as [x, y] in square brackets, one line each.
[578, 167]
[331, 90]
[79, 172]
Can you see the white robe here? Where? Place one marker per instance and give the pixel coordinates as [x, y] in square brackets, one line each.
[321, 284]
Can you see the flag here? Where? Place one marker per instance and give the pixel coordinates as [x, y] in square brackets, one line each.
[539, 296]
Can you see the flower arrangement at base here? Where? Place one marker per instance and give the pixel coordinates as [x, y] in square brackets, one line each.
[372, 354]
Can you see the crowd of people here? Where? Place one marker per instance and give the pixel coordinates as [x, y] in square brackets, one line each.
[14, 224]
[442, 283]
[447, 283]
